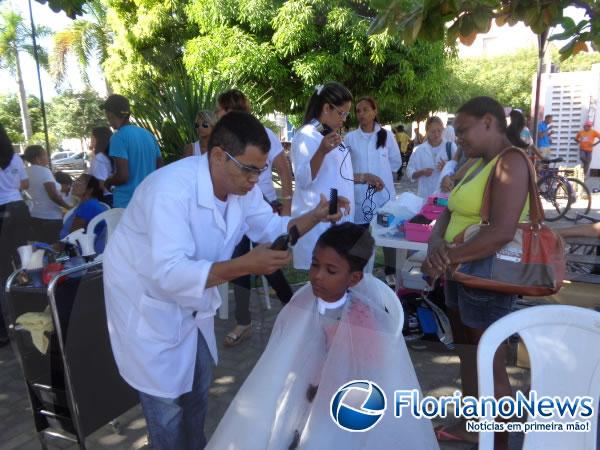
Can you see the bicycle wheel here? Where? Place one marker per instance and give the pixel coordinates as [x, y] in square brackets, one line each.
[555, 193]
[581, 201]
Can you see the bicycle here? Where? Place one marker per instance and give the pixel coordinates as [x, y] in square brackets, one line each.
[554, 190]
[560, 191]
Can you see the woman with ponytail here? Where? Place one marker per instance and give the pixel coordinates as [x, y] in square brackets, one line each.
[373, 150]
[321, 162]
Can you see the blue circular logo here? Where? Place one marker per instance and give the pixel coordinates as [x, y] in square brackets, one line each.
[358, 405]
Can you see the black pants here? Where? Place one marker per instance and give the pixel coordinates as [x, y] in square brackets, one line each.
[45, 230]
[241, 287]
[14, 229]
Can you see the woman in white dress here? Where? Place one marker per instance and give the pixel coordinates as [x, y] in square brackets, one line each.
[429, 158]
[321, 161]
[101, 166]
[373, 150]
[204, 123]
[342, 326]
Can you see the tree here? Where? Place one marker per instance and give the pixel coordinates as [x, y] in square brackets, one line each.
[9, 116]
[507, 77]
[148, 40]
[74, 115]
[289, 47]
[72, 8]
[15, 37]
[85, 40]
[427, 19]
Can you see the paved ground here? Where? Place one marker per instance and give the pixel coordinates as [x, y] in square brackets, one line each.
[436, 367]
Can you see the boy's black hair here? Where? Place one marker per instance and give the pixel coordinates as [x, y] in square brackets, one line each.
[352, 242]
[236, 130]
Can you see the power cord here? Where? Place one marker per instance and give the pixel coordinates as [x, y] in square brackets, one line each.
[368, 206]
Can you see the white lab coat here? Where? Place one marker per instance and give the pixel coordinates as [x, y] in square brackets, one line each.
[366, 158]
[156, 266]
[308, 190]
[424, 157]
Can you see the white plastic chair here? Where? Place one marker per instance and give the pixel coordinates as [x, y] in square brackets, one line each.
[563, 343]
[111, 217]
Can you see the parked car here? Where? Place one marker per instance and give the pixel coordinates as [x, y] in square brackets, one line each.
[78, 161]
[61, 155]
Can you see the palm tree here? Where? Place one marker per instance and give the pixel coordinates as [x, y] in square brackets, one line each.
[15, 37]
[84, 39]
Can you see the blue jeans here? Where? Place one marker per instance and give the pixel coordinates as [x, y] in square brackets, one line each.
[178, 423]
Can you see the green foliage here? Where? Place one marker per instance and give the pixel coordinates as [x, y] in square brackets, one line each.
[9, 116]
[169, 110]
[73, 115]
[580, 62]
[507, 78]
[427, 19]
[84, 39]
[148, 38]
[72, 8]
[15, 37]
[289, 47]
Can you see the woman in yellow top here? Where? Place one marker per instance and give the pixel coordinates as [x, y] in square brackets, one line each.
[480, 127]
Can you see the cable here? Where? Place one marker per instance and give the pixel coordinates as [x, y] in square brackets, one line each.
[368, 206]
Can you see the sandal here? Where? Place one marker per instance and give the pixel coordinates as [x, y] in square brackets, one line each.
[232, 339]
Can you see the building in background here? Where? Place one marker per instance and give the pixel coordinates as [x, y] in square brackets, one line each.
[571, 98]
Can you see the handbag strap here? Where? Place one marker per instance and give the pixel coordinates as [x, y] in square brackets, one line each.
[536, 212]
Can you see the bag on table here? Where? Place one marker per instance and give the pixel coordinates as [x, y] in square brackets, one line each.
[532, 264]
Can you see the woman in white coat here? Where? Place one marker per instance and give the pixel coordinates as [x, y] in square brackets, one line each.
[373, 150]
[429, 158]
[321, 161]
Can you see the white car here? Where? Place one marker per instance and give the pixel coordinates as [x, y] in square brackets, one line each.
[77, 161]
[61, 155]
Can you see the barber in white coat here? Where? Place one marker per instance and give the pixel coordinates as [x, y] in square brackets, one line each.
[162, 265]
[429, 158]
[321, 161]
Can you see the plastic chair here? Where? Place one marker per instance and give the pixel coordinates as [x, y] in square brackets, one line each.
[111, 217]
[563, 343]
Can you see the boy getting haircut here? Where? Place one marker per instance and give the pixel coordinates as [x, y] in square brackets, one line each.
[343, 326]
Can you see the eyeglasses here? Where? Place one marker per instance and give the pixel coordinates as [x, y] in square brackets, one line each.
[343, 114]
[247, 170]
[203, 125]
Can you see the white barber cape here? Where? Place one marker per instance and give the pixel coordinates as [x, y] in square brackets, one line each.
[307, 193]
[314, 349]
[156, 265]
[367, 158]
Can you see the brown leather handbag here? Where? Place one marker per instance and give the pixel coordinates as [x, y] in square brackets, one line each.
[532, 264]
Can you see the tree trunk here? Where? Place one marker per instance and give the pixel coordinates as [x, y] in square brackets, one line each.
[25, 119]
[109, 90]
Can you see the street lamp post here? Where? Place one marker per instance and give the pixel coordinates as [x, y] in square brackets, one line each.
[37, 65]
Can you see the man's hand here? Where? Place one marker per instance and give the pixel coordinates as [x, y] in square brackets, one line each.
[261, 260]
[441, 163]
[321, 212]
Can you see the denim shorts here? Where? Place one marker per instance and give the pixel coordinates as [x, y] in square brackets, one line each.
[478, 308]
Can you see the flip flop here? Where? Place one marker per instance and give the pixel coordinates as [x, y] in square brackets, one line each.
[441, 434]
[232, 339]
